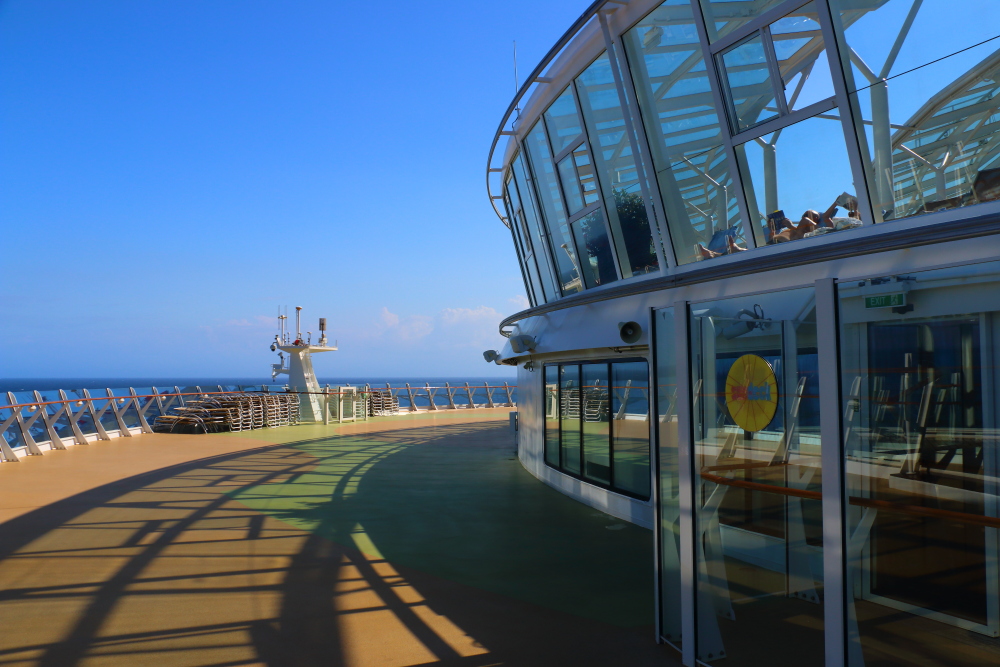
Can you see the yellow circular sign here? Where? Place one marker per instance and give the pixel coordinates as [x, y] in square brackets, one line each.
[751, 392]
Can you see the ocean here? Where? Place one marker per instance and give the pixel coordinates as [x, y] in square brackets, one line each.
[49, 384]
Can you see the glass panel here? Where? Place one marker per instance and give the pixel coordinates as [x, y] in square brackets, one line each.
[630, 430]
[571, 183]
[725, 16]
[585, 172]
[890, 37]
[518, 247]
[802, 61]
[539, 239]
[602, 111]
[750, 93]
[801, 168]
[757, 488]
[596, 261]
[920, 428]
[520, 224]
[669, 477]
[552, 415]
[596, 424]
[931, 135]
[563, 121]
[563, 248]
[569, 417]
[675, 99]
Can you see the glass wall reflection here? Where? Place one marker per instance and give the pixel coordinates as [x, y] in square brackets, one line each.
[602, 430]
[923, 84]
[684, 135]
[552, 415]
[920, 404]
[605, 119]
[596, 420]
[758, 479]
[798, 181]
[554, 212]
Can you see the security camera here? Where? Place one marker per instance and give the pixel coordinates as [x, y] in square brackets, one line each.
[522, 343]
[491, 355]
[630, 332]
[273, 347]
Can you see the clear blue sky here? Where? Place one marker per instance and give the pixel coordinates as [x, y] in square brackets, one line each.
[172, 171]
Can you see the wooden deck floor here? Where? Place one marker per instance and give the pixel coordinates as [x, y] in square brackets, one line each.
[415, 540]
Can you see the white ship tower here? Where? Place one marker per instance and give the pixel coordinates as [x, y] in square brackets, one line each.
[301, 376]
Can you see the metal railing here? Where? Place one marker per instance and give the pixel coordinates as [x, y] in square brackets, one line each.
[37, 421]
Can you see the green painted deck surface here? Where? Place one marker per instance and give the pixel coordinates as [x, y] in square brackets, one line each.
[457, 504]
[397, 542]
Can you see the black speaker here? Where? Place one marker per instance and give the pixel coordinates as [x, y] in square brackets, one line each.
[630, 332]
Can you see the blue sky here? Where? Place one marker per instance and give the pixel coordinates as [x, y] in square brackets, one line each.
[172, 171]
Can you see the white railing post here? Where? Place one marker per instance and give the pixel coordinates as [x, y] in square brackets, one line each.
[326, 406]
[143, 423]
[628, 388]
[368, 400]
[55, 442]
[510, 398]
[430, 396]
[409, 393]
[451, 396]
[73, 417]
[489, 395]
[102, 434]
[123, 431]
[29, 442]
[468, 392]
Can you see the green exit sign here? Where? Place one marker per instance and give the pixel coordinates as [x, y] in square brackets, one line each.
[885, 300]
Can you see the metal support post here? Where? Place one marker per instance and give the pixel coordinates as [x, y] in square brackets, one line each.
[834, 525]
[409, 393]
[510, 399]
[102, 434]
[468, 392]
[451, 396]
[489, 395]
[74, 417]
[143, 424]
[430, 397]
[55, 442]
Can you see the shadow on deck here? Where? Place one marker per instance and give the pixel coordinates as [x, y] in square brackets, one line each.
[395, 542]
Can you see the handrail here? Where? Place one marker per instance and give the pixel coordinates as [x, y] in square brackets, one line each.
[81, 399]
[899, 508]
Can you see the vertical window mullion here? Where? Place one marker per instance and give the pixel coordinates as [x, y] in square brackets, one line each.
[847, 116]
[588, 143]
[712, 71]
[777, 83]
[686, 486]
[835, 598]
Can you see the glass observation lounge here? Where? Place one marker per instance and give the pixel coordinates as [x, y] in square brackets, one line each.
[761, 245]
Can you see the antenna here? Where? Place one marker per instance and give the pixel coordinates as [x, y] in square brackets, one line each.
[516, 85]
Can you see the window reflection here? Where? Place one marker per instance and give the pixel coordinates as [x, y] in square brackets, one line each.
[597, 423]
[676, 102]
[630, 428]
[748, 83]
[539, 238]
[522, 235]
[723, 17]
[801, 56]
[563, 121]
[798, 181]
[602, 111]
[595, 260]
[922, 467]
[552, 415]
[569, 418]
[563, 249]
[924, 104]
[754, 372]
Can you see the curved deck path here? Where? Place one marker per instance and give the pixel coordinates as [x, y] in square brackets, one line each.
[414, 540]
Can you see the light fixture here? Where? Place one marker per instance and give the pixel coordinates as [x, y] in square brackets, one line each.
[491, 356]
[522, 343]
